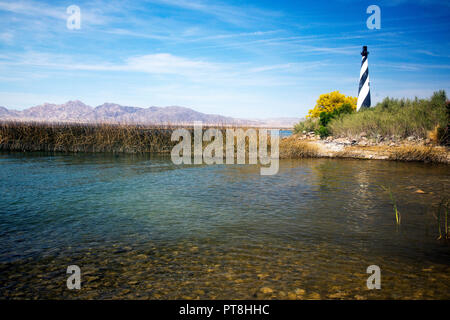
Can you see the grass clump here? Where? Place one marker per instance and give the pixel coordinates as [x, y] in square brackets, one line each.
[442, 214]
[398, 217]
[319, 125]
[308, 125]
[417, 153]
[293, 148]
[400, 118]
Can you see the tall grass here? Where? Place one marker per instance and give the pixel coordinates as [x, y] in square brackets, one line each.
[398, 118]
[444, 204]
[398, 217]
[292, 148]
[20, 136]
[426, 154]
[114, 138]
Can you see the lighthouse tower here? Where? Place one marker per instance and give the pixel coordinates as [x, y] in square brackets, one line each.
[364, 83]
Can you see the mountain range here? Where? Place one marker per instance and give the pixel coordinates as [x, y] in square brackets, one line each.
[77, 111]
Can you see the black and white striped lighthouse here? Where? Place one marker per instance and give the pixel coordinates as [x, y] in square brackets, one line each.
[364, 83]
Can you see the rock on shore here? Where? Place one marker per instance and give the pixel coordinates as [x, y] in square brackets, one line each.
[362, 147]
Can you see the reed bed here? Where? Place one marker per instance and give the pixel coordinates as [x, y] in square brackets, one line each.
[75, 137]
[427, 154]
[293, 148]
[112, 138]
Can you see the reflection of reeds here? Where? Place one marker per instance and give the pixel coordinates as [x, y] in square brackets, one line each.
[443, 205]
[398, 217]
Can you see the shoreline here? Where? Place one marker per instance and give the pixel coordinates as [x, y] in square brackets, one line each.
[70, 138]
[310, 146]
[308, 149]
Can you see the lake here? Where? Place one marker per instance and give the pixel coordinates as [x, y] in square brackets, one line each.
[140, 227]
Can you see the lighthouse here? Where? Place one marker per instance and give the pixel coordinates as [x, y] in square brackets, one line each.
[364, 83]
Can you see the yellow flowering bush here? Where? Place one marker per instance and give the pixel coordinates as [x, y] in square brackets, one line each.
[329, 102]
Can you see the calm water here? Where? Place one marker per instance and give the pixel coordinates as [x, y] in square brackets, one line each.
[285, 133]
[141, 227]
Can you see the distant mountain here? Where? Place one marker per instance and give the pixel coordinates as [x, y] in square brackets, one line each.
[70, 111]
[77, 111]
[4, 112]
[111, 112]
[280, 122]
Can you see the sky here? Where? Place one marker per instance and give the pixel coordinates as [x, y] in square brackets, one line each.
[247, 59]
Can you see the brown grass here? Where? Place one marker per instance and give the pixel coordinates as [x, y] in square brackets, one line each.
[292, 148]
[20, 136]
[113, 138]
[418, 153]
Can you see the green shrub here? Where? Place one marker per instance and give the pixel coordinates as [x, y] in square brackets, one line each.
[323, 132]
[308, 125]
[395, 117]
[326, 117]
[319, 125]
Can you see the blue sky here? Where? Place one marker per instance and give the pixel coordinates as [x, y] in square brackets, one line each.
[251, 59]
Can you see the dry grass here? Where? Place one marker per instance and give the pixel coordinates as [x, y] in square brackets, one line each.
[19, 136]
[292, 148]
[113, 138]
[418, 153]
[110, 138]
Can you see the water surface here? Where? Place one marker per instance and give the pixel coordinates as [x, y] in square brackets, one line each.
[141, 227]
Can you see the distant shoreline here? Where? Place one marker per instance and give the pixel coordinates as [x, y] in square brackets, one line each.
[133, 139]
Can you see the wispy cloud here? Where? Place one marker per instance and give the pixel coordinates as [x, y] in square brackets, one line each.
[129, 33]
[6, 37]
[30, 8]
[432, 54]
[158, 64]
[412, 66]
[41, 10]
[246, 56]
[225, 12]
[395, 3]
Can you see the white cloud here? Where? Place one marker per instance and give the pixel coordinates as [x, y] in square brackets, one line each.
[164, 64]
